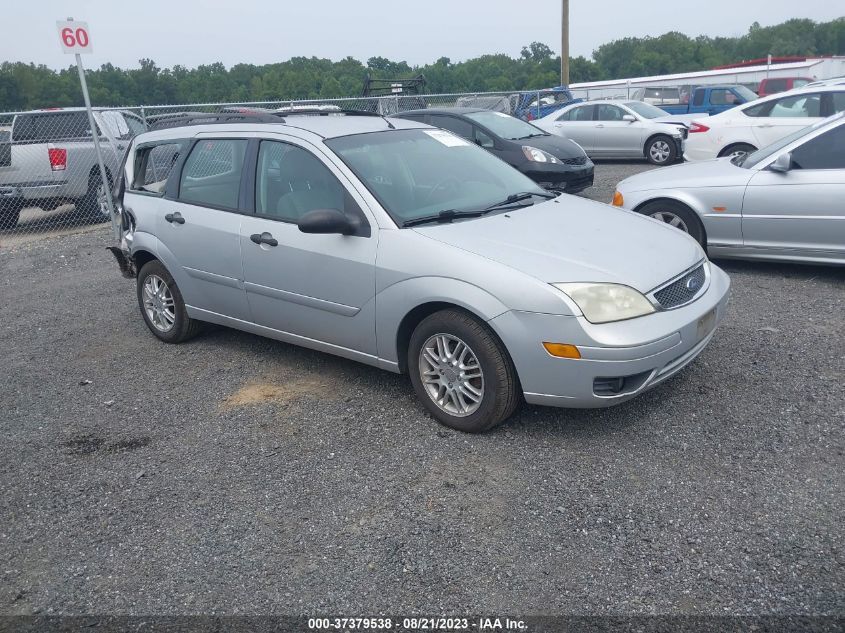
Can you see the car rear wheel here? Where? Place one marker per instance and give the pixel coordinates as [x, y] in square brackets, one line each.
[740, 149]
[461, 372]
[677, 215]
[93, 203]
[162, 306]
[661, 150]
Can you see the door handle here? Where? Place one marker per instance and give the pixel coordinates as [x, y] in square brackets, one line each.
[175, 217]
[600, 125]
[264, 238]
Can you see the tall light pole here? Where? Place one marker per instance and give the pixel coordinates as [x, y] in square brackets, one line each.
[564, 43]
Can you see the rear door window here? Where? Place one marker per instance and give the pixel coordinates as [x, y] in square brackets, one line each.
[583, 113]
[607, 112]
[51, 126]
[211, 175]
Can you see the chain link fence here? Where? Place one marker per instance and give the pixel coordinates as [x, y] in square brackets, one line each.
[49, 174]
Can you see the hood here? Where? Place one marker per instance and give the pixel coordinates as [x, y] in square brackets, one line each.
[719, 172]
[677, 119]
[557, 146]
[570, 239]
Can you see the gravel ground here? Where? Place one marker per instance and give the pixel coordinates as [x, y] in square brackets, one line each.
[239, 475]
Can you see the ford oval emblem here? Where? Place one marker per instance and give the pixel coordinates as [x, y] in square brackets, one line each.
[693, 284]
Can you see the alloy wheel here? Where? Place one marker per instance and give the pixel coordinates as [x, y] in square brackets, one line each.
[159, 304]
[451, 375]
[671, 219]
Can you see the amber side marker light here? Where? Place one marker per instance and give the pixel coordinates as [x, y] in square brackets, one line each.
[562, 350]
[618, 200]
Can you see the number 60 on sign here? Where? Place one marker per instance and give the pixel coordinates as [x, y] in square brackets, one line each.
[74, 36]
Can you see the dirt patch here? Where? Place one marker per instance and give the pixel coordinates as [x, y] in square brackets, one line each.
[263, 391]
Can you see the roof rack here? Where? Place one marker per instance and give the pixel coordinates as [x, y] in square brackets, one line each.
[214, 118]
[322, 112]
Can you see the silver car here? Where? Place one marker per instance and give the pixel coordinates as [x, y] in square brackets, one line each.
[408, 248]
[620, 129]
[49, 160]
[783, 202]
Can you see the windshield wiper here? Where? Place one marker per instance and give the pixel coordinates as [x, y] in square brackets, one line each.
[453, 214]
[530, 136]
[444, 216]
[519, 197]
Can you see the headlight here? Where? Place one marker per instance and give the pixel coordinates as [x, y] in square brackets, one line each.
[602, 303]
[537, 155]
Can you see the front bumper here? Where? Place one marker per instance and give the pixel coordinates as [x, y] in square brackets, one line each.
[564, 178]
[619, 360]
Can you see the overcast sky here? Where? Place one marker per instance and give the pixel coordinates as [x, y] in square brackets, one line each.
[193, 32]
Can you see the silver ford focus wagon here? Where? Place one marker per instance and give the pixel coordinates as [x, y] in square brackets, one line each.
[405, 247]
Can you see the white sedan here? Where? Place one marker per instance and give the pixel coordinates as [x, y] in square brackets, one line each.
[746, 128]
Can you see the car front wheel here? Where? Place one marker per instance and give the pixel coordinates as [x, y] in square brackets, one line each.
[661, 150]
[676, 215]
[461, 372]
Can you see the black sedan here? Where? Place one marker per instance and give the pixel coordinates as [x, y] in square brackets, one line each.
[554, 163]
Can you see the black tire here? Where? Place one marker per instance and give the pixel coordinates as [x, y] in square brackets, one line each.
[501, 393]
[10, 213]
[739, 148]
[668, 153]
[663, 209]
[183, 327]
[89, 204]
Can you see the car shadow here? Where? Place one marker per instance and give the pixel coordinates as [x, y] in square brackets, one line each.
[528, 420]
[67, 216]
[788, 270]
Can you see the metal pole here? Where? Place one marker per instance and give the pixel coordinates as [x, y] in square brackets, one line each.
[96, 136]
[564, 44]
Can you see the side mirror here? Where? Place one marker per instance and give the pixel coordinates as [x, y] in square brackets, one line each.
[327, 221]
[630, 118]
[782, 164]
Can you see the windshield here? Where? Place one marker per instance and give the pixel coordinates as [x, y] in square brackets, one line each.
[419, 173]
[760, 155]
[745, 93]
[646, 110]
[505, 126]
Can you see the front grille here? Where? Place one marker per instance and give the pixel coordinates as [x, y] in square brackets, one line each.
[683, 290]
[580, 160]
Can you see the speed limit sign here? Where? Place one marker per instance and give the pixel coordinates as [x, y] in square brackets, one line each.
[75, 37]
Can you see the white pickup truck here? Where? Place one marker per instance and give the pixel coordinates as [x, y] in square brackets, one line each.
[49, 160]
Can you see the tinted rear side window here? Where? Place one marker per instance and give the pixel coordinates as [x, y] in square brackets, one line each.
[53, 126]
[212, 173]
